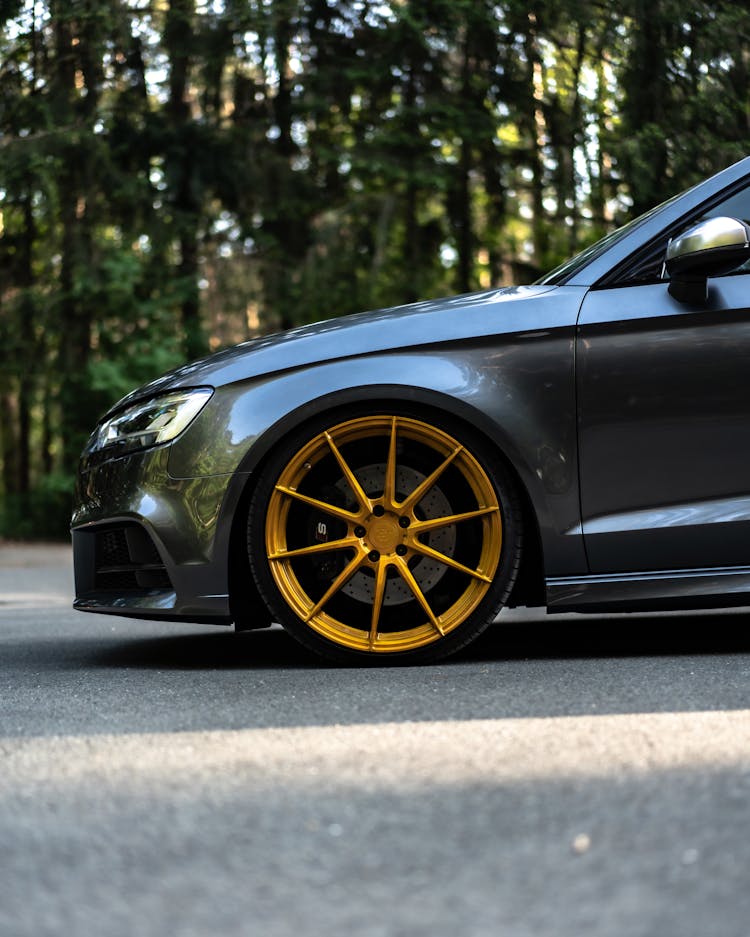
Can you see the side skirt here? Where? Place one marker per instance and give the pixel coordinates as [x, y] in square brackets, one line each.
[653, 591]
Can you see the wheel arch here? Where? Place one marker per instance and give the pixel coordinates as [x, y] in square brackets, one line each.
[245, 603]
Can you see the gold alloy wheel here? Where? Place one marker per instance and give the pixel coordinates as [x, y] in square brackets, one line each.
[383, 534]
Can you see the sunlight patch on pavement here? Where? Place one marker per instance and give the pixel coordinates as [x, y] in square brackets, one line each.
[11, 600]
[35, 576]
[407, 755]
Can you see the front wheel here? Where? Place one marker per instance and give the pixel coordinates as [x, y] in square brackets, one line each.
[384, 537]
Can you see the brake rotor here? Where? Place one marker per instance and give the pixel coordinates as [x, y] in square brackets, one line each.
[426, 571]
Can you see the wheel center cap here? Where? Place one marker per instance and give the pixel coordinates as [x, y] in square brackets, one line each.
[384, 534]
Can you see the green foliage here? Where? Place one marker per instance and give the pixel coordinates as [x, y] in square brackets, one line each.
[41, 514]
[176, 177]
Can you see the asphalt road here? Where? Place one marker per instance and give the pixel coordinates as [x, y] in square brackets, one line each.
[564, 776]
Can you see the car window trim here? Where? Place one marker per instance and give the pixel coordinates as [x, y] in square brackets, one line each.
[618, 276]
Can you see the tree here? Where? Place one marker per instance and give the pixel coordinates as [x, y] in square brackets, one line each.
[178, 176]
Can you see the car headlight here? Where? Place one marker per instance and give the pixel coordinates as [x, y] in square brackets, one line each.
[150, 422]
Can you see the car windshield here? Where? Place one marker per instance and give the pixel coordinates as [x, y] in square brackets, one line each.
[566, 270]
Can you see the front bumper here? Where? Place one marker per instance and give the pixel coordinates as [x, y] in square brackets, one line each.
[147, 545]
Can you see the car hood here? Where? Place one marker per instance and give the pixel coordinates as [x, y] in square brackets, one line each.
[381, 330]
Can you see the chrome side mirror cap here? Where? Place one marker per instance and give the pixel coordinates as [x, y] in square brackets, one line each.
[707, 249]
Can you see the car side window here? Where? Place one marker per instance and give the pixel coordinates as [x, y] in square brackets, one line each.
[649, 268]
[736, 206]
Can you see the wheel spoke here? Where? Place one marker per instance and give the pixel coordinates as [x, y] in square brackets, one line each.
[324, 506]
[362, 499]
[389, 487]
[339, 582]
[377, 601]
[421, 490]
[349, 542]
[411, 582]
[448, 561]
[419, 527]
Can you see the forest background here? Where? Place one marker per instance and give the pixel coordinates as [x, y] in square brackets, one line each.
[177, 176]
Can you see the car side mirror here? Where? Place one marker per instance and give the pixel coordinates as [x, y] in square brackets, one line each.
[707, 249]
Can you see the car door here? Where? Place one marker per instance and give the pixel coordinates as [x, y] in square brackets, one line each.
[664, 422]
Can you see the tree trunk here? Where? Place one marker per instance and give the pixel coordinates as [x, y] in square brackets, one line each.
[26, 329]
[463, 220]
[412, 252]
[534, 121]
[9, 441]
[179, 40]
[73, 312]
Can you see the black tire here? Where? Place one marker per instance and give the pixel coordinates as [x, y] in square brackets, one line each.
[382, 536]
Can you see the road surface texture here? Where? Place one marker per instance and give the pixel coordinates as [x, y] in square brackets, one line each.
[564, 776]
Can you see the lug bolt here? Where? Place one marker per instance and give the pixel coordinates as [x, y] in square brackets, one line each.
[401, 550]
[373, 556]
[378, 510]
[359, 531]
[403, 521]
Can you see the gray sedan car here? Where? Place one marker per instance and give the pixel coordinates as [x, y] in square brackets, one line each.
[382, 484]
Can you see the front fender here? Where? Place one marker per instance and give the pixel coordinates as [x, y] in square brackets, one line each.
[518, 392]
